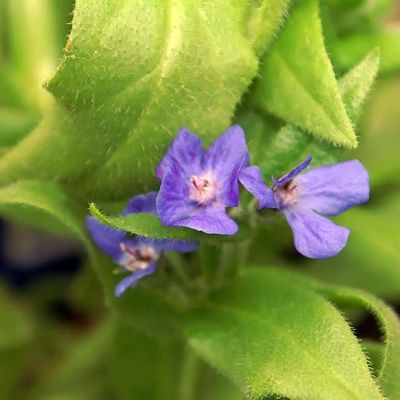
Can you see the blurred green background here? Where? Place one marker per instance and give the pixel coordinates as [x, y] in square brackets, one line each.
[55, 329]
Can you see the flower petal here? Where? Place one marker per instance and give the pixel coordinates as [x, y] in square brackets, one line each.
[332, 189]
[251, 179]
[131, 280]
[228, 186]
[293, 173]
[315, 236]
[228, 149]
[225, 158]
[173, 202]
[185, 150]
[106, 238]
[212, 221]
[180, 246]
[143, 203]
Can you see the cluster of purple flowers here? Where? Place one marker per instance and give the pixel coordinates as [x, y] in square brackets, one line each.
[198, 186]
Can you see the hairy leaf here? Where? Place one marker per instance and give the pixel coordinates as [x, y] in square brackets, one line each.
[291, 145]
[273, 336]
[389, 372]
[149, 225]
[265, 18]
[357, 83]
[299, 84]
[133, 73]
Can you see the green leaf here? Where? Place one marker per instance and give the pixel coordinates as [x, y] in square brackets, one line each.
[290, 145]
[44, 205]
[357, 83]
[389, 373]
[299, 84]
[272, 335]
[265, 18]
[374, 352]
[149, 225]
[124, 90]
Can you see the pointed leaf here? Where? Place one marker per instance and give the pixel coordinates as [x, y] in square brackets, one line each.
[291, 145]
[149, 225]
[273, 336]
[144, 224]
[389, 372]
[298, 82]
[357, 83]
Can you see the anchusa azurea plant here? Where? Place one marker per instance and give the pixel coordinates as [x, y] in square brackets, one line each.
[197, 186]
[230, 171]
[136, 254]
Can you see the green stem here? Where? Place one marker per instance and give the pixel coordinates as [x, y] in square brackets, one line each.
[233, 256]
[179, 268]
[189, 374]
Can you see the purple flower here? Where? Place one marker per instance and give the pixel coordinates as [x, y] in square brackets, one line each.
[304, 198]
[136, 254]
[197, 186]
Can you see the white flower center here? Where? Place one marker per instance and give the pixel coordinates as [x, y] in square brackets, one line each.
[287, 194]
[140, 258]
[202, 189]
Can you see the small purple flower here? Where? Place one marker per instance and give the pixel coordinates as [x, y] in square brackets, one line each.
[304, 198]
[136, 254]
[197, 186]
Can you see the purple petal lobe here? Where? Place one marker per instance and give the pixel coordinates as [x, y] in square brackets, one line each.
[315, 236]
[131, 280]
[106, 238]
[212, 221]
[332, 189]
[225, 158]
[227, 182]
[251, 179]
[227, 150]
[293, 173]
[185, 150]
[173, 202]
[144, 203]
